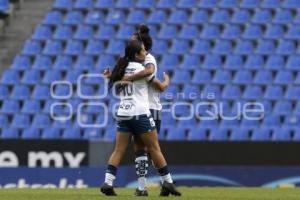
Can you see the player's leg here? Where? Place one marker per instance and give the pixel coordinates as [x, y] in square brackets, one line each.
[141, 166]
[122, 141]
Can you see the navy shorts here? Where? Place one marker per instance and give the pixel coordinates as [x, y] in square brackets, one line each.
[136, 125]
[156, 114]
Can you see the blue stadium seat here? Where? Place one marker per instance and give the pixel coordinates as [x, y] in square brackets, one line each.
[249, 123]
[10, 77]
[187, 4]
[297, 18]
[220, 17]
[233, 62]
[53, 48]
[293, 33]
[63, 4]
[199, 17]
[244, 47]
[31, 106]
[115, 47]
[20, 121]
[42, 63]
[189, 32]
[261, 135]
[253, 32]
[41, 121]
[297, 109]
[271, 121]
[211, 90]
[228, 123]
[51, 76]
[63, 124]
[4, 92]
[170, 94]
[283, 108]
[190, 61]
[115, 18]
[231, 92]
[145, 4]
[273, 92]
[178, 17]
[92, 134]
[51, 133]
[63, 32]
[274, 32]
[125, 32]
[222, 77]
[281, 135]
[105, 32]
[291, 4]
[21, 62]
[74, 48]
[189, 90]
[176, 134]
[42, 33]
[201, 47]
[4, 122]
[10, 133]
[4, 6]
[239, 135]
[231, 32]
[196, 134]
[110, 134]
[84, 62]
[94, 48]
[222, 47]
[201, 77]
[275, 62]
[160, 46]
[73, 18]
[283, 17]
[179, 47]
[241, 17]
[254, 62]
[262, 17]
[243, 77]
[208, 4]
[253, 92]
[218, 135]
[210, 32]
[263, 77]
[94, 18]
[20, 92]
[167, 32]
[41, 92]
[104, 4]
[83, 4]
[271, 4]
[136, 17]
[297, 80]
[87, 90]
[105, 61]
[284, 78]
[73, 75]
[265, 47]
[291, 122]
[63, 63]
[157, 17]
[212, 62]
[166, 4]
[53, 18]
[31, 48]
[169, 61]
[31, 77]
[293, 62]
[72, 133]
[286, 47]
[180, 76]
[292, 93]
[30, 133]
[84, 32]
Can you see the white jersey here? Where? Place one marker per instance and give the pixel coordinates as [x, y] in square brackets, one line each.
[153, 93]
[134, 97]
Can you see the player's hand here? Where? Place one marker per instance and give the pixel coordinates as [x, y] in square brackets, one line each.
[166, 78]
[106, 73]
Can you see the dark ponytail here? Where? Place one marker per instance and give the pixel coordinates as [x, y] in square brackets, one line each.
[144, 36]
[132, 47]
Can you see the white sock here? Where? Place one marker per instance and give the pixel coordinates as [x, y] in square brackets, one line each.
[167, 178]
[142, 183]
[109, 179]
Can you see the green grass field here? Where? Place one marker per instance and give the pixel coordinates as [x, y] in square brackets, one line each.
[188, 193]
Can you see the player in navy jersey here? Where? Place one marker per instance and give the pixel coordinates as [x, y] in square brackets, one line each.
[134, 118]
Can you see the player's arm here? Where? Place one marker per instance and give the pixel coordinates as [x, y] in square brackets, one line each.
[106, 73]
[149, 69]
[161, 86]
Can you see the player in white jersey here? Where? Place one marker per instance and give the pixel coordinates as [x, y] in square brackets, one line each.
[138, 121]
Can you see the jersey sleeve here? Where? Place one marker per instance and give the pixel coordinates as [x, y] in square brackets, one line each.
[150, 60]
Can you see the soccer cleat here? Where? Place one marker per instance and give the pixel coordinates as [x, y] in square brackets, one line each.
[141, 193]
[169, 188]
[108, 190]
